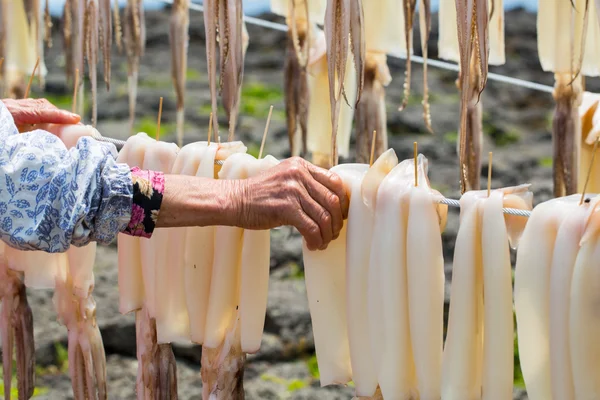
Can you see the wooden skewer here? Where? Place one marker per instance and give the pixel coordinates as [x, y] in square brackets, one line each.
[159, 118]
[587, 178]
[209, 128]
[1, 62]
[264, 138]
[74, 106]
[31, 78]
[415, 148]
[372, 148]
[489, 173]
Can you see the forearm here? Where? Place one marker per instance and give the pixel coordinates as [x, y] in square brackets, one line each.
[194, 201]
[51, 197]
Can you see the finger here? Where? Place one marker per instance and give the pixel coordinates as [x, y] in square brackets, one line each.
[45, 116]
[309, 230]
[319, 215]
[330, 202]
[332, 182]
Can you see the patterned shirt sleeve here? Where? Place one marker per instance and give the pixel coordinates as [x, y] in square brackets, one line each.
[51, 197]
[148, 188]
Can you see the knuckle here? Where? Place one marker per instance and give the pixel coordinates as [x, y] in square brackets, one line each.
[326, 218]
[333, 200]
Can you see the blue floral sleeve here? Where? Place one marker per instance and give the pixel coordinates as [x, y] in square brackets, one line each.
[51, 197]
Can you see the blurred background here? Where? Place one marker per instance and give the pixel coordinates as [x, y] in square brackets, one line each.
[516, 125]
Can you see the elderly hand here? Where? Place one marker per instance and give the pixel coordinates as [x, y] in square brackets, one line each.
[296, 193]
[30, 112]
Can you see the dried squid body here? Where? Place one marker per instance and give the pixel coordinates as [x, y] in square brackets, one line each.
[532, 292]
[425, 273]
[396, 369]
[157, 371]
[359, 227]
[584, 324]
[131, 282]
[369, 189]
[327, 298]
[481, 298]
[567, 247]
[319, 128]
[198, 249]
[16, 330]
[222, 356]
[254, 275]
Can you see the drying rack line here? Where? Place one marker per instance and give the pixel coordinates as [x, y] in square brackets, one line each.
[450, 202]
[430, 61]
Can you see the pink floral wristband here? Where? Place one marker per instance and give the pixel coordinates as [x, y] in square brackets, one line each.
[148, 188]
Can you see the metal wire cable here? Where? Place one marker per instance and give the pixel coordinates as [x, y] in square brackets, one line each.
[450, 202]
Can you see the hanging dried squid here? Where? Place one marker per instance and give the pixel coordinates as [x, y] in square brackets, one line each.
[179, 38]
[409, 9]
[76, 309]
[381, 38]
[567, 46]
[319, 128]
[301, 16]
[481, 29]
[134, 35]
[344, 31]
[227, 16]
[16, 330]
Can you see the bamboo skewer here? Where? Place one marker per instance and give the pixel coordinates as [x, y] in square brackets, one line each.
[37, 63]
[264, 138]
[489, 183]
[587, 178]
[74, 106]
[209, 128]
[372, 148]
[415, 148]
[159, 118]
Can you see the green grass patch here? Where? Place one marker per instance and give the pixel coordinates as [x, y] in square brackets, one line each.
[291, 385]
[62, 356]
[500, 137]
[253, 149]
[258, 97]
[157, 82]
[451, 137]
[313, 366]
[149, 125]
[296, 272]
[192, 75]
[545, 162]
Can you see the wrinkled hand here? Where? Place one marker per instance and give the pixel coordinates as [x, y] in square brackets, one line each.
[296, 193]
[27, 113]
